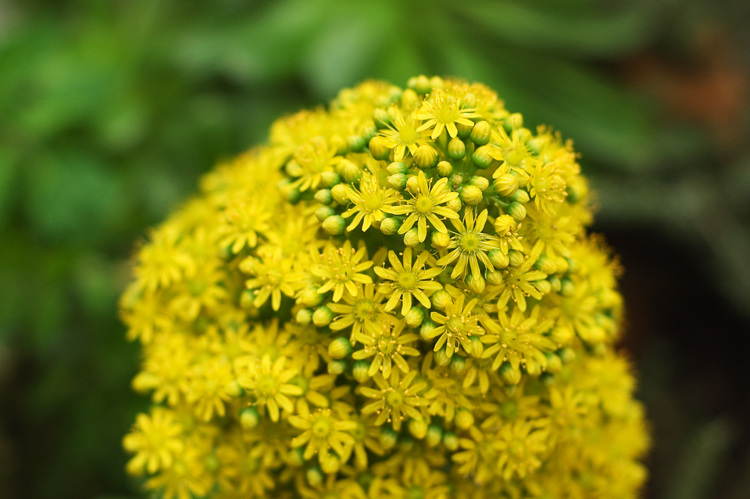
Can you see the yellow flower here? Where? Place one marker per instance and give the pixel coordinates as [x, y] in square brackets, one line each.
[273, 276]
[310, 161]
[371, 202]
[520, 340]
[409, 279]
[425, 206]
[243, 220]
[323, 430]
[456, 328]
[443, 111]
[269, 384]
[387, 345]
[470, 245]
[403, 134]
[395, 399]
[358, 310]
[341, 269]
[156, 439]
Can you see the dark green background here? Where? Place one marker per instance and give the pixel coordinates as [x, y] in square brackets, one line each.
[110, 111]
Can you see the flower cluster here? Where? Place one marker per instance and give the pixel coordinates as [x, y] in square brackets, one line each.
[396, 297]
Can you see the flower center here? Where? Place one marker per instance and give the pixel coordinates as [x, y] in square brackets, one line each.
[373, 201]
[469, 242]
[407, 135]
[407, 280]
[424, 204]
[364, 310]
[387, 345]
[455, 325]
[321, 427]
[394, 398]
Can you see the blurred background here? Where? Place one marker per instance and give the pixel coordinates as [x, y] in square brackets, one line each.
[111, 110]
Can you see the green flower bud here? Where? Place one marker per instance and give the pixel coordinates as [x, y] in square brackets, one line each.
[440, 240]
[418, 428]
[340, 194]
[310, 297]
[464, 130]
[329, 179]
[420, 84]
[480, 133]
[456, 149]
[499, 259]
[389, 226]
[434, 435]
[387, 437]
[412, 184]
[249, 418]
[546, 265]
[441, 357]
[444, 168]
[464, 419]
[475, 283]
[516, 258]
[440, 299]
[336, 367]
[378, 149]
[233, 389]
[505, 184]
[543, 286]
[324, 212]
[323, 196]
[450, 440]
[339, 348]
[517, 211]
[411, 238]
[397, 181]
[414, 317]
[476, 349]
[348, 171]
[425, 157]
[509, 375]
[361, 370]
[334, 224]
[322, 316]
[380, 118]
[471, 195]
[314, 476]
[494, 278]
[397, 167]
[504, 225]
[356, 143]
[426, 328]
[481, 182]
[304, 316]
[521, 196]
[454, 204]
[482, 157]
[457, 364]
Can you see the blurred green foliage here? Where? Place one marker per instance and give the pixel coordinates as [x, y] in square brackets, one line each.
[109, 112]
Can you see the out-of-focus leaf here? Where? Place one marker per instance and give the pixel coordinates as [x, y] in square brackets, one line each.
[577, 30]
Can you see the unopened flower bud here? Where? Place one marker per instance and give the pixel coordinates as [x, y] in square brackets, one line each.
[440, 299]
[387, 437]
[516, 258]
[336, 367]
[389, 226]
[411, 238]
[505, 184]
[481, 156]
[414, 317]
[397, 181]
[434, 435]
[322, 316]
[521, 195]
[480, 133]
[475, 282]
[339, 348]
[249, 418]
[304, 316]
[340, 194]
[324, 212]
[356, 143]
[450, 440]
[418, 428]
[458, 363]
[456, 149]
[440, 240]
[471, 195]
[378, 148]
[361, 370]
[509, 374]
[348, 170]
[499, 259]
[481, 182]
[444, 168]
[323, 196]
[425, 157]
[464, 418]
[517, 211]
[334, 224]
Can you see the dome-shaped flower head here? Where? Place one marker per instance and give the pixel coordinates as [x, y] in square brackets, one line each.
[396, 297]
